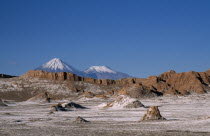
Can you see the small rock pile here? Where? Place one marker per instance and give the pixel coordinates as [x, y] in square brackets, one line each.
[153, 113]
[67, 106]
[80, 120]
[74, 105]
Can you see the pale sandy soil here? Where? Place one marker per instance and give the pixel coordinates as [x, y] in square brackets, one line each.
[185, 116]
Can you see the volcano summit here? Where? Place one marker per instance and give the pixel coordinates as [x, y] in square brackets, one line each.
[98, 72]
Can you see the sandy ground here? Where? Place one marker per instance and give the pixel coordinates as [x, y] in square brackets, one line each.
[185, 116]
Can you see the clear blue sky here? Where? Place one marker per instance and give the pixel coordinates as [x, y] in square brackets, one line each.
[138, 37]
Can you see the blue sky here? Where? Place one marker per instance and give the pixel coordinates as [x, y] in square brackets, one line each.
[138, 37]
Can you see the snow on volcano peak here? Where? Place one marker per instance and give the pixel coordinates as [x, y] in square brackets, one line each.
[98, 72]
[100, 69]
[57, 65]
[103, 72]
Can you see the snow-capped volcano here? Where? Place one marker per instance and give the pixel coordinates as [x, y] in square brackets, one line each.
[98, 72]
[57, 65]
[103, 72]
[100, 69]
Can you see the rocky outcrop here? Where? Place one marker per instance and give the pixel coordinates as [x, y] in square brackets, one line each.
[81, 120]
[58, 107]
[66, 106]
[71, 105]
[61, 76]
[41, 97]
[88, 94]
[168, 83]
[153, 113]
[134, 104]
[186, 82]
[141, 91]
[172, 83]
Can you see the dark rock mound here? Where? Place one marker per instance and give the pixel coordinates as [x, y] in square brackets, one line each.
[6, 76]
[140, 92]
[18, 121]
[67, 106]
[2, 103]
[80, 120]
[9, 114]
[59, 107]
[134, 104]
[74, 105]
[153, 113]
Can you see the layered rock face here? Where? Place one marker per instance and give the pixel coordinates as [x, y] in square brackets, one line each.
[167, 83]
[186, 82]
[172, 83]
[61, 76]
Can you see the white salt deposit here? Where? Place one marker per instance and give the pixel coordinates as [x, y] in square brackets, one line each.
[120, 102]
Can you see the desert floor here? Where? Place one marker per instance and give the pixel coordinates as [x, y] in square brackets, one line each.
[185, 116]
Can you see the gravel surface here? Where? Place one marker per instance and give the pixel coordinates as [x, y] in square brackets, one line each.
[186, 116]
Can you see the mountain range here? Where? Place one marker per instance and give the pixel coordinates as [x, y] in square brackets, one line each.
[98, 72]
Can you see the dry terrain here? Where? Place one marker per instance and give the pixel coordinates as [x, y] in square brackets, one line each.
[185, 116]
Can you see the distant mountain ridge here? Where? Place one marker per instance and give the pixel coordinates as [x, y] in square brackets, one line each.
[98, 72]
[6, 76]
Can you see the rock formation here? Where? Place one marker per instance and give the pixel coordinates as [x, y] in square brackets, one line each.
[58, 107]
[153, 113]
[2, 103]
[171, 83]
[88, 94]
[134, 104]
[186, 82]
[140, 91]
[73, 105]
[168, 83]
[42, 97]
[61, 76]
[80, 120]
[67, 106]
